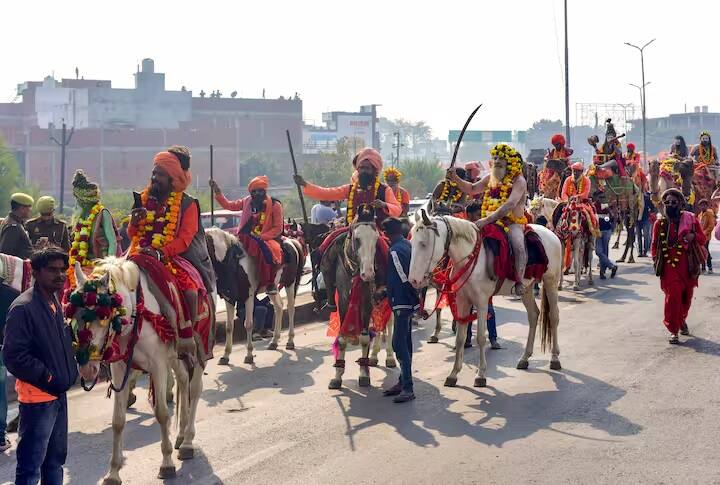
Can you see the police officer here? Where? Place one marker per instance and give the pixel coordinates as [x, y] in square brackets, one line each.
[48, 229]
[14, 239]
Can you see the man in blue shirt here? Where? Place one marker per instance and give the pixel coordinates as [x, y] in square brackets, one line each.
[405, 302]
[322, 213]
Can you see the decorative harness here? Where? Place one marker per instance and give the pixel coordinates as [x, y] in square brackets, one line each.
[442, 276]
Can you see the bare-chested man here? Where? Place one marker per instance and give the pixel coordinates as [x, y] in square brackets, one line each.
[504, 192]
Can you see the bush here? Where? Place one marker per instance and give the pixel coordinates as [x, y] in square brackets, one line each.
[421, 176]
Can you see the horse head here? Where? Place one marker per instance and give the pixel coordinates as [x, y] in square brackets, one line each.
[364, 237]
[101, 305]
[428, 247]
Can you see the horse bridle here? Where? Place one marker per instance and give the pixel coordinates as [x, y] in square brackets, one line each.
[446, 251]
[352, 266]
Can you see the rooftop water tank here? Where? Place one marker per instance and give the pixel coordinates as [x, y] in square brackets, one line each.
[148, 65]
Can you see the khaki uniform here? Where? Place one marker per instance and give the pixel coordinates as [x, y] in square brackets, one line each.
[54, 230]
[14, 239]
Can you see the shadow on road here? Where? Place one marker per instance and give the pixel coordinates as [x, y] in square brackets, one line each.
[702, 346]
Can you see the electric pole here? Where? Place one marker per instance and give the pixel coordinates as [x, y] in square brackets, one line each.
[63, 143]
[642, 91]
[567, 82]
[397, 146]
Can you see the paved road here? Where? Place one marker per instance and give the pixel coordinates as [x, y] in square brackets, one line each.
[626, 408]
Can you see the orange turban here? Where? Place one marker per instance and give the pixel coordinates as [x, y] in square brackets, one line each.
[260, 182]
[372, 156]
[181, 179]
[577, 166]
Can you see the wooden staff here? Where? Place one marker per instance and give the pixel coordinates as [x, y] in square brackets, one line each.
[295, 171]
[212, 194]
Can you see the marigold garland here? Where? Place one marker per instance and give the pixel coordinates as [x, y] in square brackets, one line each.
[158, 227]
[81, 243]
[445, 193]
[671, 254]
[667, 169]
[398, 174]
[573, 187]
[258, 228]
[351, 198]
[496, 196]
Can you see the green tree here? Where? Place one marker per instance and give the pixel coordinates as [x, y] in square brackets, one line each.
[421, 176]
[332, 169]
[9, 177]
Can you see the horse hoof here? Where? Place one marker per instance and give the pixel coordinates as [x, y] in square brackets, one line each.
[112, 481]
[335, 384]
[178, 442]
[224, 361]
[621, 260]
[480, 382]
[450, 381]
[631, 260]
[364, 381]
[272, 346]
[372, 362]
[390, 363]
[555, 365]
[249, 359]
[433, 339]
[289, 346]
[522, 365]
[186, 454]
[167, 472]
[576, 288]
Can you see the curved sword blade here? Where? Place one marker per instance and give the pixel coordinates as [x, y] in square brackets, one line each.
[462, 133]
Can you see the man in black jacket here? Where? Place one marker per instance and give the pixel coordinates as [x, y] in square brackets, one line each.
[7, 296]
[38, 352]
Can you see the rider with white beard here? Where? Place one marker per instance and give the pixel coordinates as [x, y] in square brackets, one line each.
[504, 192]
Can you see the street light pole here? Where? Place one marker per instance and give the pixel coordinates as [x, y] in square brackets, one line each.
[642, 91]
[63, 143]
[567, 82]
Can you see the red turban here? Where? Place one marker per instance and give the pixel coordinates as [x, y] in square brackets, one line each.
[473, 169]
[372, 156]
[259, 183]
[577, 166]
[631, 147]
[181, 179]
[558, 139]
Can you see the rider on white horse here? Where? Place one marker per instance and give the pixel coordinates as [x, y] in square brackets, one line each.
[504, 193]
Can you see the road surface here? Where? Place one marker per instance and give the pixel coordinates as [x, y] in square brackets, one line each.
[626, 408]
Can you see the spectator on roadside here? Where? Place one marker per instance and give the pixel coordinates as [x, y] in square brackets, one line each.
[38, 352]
[46, 228]
[14, 239]
[644, 226]
[7, 296]
[707, 219]
[124, 239]
[322, 213]
[607, 221]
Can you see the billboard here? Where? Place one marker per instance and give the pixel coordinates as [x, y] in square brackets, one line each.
[355, 126]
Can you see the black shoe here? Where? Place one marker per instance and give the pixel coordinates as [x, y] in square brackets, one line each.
[266, 333]
[404, 396]
[602, 276]
[495, 345]
[393, 391]
[331, 306]
[614, 271]
[684, 329]
[256, 336]
[468, 344]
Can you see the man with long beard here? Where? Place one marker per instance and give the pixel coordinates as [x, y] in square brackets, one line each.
[261, 225]
[504, 193]
[366, 192]
[675, 237]
[176, 237]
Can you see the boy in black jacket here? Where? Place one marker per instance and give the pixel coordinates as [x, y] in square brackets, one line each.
[404, 301]
[38, 352]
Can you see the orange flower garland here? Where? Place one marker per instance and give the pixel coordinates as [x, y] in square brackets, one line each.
[574, 190]
[495, 197]
[158, 227]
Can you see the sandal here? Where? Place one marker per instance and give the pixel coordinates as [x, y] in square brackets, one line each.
[674, 340]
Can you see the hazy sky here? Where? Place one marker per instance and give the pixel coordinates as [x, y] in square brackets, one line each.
[421, 60]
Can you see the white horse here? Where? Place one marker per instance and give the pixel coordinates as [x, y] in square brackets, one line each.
[542, 206]
[222, 241]
[572, 226]
[435, 237]
[150, 353]
[15, 273]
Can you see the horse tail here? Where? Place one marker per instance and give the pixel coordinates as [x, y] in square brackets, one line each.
[546, 334]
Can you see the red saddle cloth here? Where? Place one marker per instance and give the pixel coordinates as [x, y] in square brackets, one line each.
[497, 241]
[257, 249]
[166, 283]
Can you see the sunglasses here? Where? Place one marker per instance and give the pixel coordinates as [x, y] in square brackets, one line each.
[671, 202]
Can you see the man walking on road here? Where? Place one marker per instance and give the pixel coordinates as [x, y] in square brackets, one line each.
[707, 222]
[677, 240]
[404, 301]
[38, 351]
[606, 220]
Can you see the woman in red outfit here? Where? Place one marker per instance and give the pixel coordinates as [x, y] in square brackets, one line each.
[674, 236]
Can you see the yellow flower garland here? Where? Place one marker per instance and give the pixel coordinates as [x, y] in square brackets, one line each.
[514, 168]
[81, 243]
[351, 198]
[445, 193]
[169, 218]
[257, 230]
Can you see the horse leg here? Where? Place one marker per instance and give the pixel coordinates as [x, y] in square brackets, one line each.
[364, 379]
[435, 337]
[229, 331]
[277, 321]
[532, 313]
[336, 382]
[482, 310]
[577, 247]
[159, 381]
[554, 315]
[630, 243]
[290, 293]
[617, 241]
[118, 424]
[376, 346]
[589, 250]
[460, 336]
[249, 308]
[194, 389]
[181, 377]
[389, 351]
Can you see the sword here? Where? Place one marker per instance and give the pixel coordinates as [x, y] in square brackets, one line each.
[462, 133]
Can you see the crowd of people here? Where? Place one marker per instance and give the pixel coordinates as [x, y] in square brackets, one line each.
[163, 232]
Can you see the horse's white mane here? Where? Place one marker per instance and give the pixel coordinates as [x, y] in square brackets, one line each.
[222, 241]
[462, 229]
[121, 271]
